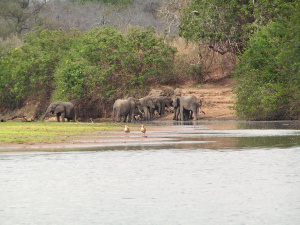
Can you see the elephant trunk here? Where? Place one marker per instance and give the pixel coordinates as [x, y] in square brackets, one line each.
[45, 114]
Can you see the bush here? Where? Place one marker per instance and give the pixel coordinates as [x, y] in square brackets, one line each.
[268, 79]
[29, 69]
[97, 66]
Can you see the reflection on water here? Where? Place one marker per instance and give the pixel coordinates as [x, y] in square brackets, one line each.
[200, 173]
[239, 124]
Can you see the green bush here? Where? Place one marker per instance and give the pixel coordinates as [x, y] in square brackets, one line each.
[226, 25]
[268, 79]
[106, 64]
[29, 69]
[96, 66]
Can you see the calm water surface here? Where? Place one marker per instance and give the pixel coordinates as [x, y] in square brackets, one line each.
[203, 173]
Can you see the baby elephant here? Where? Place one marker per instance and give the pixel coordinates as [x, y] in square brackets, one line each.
[63, 109]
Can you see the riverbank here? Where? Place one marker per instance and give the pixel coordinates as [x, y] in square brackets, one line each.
[51, 136]
[64, 137]
[216, 96]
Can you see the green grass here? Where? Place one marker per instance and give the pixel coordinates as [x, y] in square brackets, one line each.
[48, 132]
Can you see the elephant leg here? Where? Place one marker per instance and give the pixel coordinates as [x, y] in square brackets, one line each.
[130, 117]
[63, 117]
[159, 110]
[186, 114]
[117, 115]
[57, 117]
[146, 112]
[151, 112]
[181, 113]
[195, 114]
[176, 112]
[190, 114]
[163, 110]
[125, 117]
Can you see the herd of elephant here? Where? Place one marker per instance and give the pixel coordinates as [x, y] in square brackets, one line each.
[131, 109]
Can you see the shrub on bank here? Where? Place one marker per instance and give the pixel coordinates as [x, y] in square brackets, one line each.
[96, 66]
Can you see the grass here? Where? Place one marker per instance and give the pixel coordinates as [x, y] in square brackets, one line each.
[45, 132]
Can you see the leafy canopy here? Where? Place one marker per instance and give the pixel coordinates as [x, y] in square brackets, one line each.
[226, 25]
[268, 78]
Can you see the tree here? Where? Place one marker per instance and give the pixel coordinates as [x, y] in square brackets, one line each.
[268, 77]
[227, 25]
[19, 16]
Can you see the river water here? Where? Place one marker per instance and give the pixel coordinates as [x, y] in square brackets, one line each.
[200, 173]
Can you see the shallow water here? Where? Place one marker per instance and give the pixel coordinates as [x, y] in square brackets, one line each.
[198, 173]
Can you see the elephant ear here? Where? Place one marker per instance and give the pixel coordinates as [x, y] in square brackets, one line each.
[59, 107]
[151, 103]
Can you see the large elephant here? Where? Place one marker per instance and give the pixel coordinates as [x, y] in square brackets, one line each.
[160, 103]
[125, 108]
[165, 102]
[147, 105]
[61, 109]
[182, 105]
[158, 106]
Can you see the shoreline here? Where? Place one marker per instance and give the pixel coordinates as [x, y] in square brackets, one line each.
[158, 133]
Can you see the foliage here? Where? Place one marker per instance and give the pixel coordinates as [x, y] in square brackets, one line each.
[18, 17]
[29, 69]
[226, 25]
[97, 66]
[104, 64]
[268, 79]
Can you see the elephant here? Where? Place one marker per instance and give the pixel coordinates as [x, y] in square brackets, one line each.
[160, 103]
[125, 108]
[63, 109]
[138, 115]
[165, 102]
[185, 104]
[147, 105]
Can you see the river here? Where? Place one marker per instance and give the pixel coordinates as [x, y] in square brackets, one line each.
[200, 172]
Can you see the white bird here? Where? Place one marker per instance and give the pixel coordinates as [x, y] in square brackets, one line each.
[126, 130]
[143, 130]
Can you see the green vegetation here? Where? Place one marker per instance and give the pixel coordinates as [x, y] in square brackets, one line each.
[265, 35]
[19, 132]
[18, 17]
[97, 66]
[93, 68]
[268, 77]
[226, 25]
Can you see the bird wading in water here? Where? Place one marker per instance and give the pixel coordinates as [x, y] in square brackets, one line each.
[126, 130]
[143, 130]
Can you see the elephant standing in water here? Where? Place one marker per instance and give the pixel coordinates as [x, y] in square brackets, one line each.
[125, 108]
[185, 104]
[63, 109]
